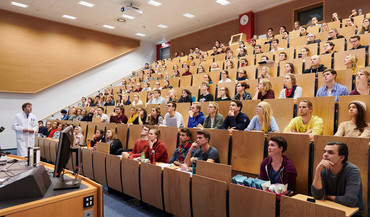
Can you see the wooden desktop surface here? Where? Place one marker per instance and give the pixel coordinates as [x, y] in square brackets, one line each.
[68, 204]
[348, 210]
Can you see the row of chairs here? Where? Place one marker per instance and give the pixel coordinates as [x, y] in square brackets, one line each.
[293, 42]
[242, 152]
[333, 113]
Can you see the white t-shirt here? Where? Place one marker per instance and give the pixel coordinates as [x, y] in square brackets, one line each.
[105, 118]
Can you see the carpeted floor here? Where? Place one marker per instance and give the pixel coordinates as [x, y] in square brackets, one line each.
[115, 205]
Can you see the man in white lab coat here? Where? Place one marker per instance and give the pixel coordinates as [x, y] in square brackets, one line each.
[25, 125]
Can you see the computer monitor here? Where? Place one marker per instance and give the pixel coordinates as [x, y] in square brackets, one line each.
[63, 153]
[65, 142]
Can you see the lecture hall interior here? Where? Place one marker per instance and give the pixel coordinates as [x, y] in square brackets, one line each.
[117, 85]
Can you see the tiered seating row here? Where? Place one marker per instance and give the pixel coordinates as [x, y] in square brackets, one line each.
[154, 185]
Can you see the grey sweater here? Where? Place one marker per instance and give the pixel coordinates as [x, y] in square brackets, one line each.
[346, 186]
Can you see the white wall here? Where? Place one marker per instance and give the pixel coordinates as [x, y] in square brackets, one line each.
[62, 95]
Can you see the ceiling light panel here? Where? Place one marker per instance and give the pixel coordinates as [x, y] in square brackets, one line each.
[140, 34]
[128, 16]
[154, 3]
[87, 4]
[162, 26]
[108, 27]
[188, 15]
[223, 2]
[19, 4]
[69, 17]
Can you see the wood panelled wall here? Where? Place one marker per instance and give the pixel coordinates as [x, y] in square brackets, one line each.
[273, 17]
[205, 38]
[284, 14]
[37, 53]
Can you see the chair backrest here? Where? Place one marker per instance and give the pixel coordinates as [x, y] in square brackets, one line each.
[282, 114]
[339, 45]
[215, 171]
[298, 151]
[133, 135]
[344, 77]
[168, 136]
[240, 203]
[103, 147]
[307, 82]
[339, 58]
[220, 141]
[181, 191]
[272, 66]
[291, 207]
[297, 63]
[90, 130]
[230, 86]
[247, 151]
[289, 52]
[186, 80]
[365, 40]
[122, 134]
[323, 107]
[343, 102]
[249, 107]
[358, 149]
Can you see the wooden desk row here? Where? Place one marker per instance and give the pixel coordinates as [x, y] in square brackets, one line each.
[66, 204]
[245, 154]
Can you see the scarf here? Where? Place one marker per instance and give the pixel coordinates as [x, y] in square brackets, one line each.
[290, 93]
[181, 151]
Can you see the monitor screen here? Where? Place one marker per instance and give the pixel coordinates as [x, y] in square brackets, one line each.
[65, 142]
[235, 39]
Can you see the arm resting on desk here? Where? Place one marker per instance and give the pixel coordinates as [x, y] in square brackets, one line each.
[353, 188]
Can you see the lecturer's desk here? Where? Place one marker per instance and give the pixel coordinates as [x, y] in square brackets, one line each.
[298, 206]
[68, 203]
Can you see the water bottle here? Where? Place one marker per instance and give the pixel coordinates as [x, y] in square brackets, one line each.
[142, 159]
[152, 159]
[194, 166]
[193, 98]
[360, 11]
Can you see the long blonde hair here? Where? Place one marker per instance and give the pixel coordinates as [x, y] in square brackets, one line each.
[266, 116]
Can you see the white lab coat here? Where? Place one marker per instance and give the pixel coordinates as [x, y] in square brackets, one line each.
[24, 139]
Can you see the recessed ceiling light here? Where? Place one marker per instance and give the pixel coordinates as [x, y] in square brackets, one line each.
[162, 26]
[108, 27]
[223, 2]
[121, 20]
[87, 4]
[190, 16]
[154, 3]
[141, 34]
[19, 4]
[128, 16]
[69, 17]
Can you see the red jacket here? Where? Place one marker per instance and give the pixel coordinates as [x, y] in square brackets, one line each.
[160, 152]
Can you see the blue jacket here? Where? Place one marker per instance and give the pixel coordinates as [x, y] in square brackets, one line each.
[240, 122]
[194, 121]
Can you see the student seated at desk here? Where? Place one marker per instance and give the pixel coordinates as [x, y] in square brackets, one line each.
[362, 83]
[98, 137]
[263, 121]
[205, 152]
[357, 126]
[141, 144]
[157, 145]
[113, 141]
[305, 122]
[277, 168]
[336, 179]
[180, 153]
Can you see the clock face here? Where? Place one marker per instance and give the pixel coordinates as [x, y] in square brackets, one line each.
[244, 20]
